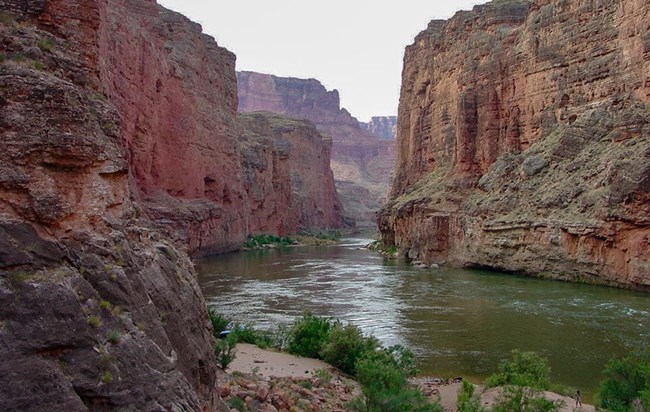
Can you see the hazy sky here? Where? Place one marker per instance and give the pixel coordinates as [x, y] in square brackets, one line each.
[355, 46]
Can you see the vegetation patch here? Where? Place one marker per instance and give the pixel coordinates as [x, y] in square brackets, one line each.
[264, 241]
[627, 383]
[46, 45]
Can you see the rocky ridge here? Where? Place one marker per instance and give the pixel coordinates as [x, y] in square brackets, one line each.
[524, 139]
[361, 162]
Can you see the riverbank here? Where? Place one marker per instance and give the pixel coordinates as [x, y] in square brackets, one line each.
[273, 381]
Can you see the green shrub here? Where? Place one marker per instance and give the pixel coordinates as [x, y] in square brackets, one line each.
[308, 335]
[248, 334]
[225, 351]
[323, 374]
[238, 404]
[627, 381]
[467, 402]
[255, 241]
[46, 45]
[219, 322]
[2, 58]
[114, 336]
[522, 399]
[345, 346]
[386, 389]
[524, 369]
[38, 65]
[94, 321]
[107, 377]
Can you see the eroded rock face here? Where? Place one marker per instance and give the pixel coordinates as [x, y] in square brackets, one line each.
[523, 140]
[361, 162]
[285, 192]
[97, 310]
[384, 127]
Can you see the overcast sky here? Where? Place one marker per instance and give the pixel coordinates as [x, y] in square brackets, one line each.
[355, 46]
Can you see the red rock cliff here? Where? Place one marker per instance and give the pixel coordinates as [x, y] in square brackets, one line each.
[524, 139]
[98, 310]
[361, 162]
[287, 175]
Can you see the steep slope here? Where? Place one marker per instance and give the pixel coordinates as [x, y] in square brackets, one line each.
[361, 162]
[97, 310]
[298, 194]
[524, 139]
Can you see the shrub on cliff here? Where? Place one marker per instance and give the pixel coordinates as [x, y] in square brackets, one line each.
[523, 369]
[309, 334]
[627, 383]
[219, 321]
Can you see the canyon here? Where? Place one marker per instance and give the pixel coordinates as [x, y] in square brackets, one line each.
[123, 155]
[362, 162]
[523, 142]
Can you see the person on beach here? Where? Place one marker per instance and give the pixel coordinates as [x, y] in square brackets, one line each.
[578, 400]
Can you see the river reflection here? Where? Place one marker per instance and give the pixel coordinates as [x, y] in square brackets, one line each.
[458, 322]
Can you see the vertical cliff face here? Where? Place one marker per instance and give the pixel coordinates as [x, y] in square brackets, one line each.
[287, 175]
[98, 311]
[384, 127]
[523, 140]
[175, 89]
[361, 162]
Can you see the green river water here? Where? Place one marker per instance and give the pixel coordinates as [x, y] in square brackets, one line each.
[457, 322]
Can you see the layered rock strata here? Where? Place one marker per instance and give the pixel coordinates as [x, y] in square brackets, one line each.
[524, 139]
[384, 127]
[97, 310]
[362, 163]
[121, 152]
[287, 175]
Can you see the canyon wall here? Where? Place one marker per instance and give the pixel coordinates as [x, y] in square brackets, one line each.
[123, 154]
[287, 175]
[524, 140]
[97, 310]
[362, 163]
[384, 127]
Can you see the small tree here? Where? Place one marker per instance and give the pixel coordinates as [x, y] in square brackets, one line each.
[627, 381]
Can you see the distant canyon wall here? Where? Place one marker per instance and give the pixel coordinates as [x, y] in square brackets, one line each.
[384, 127]
[362, 162]
[524, 141]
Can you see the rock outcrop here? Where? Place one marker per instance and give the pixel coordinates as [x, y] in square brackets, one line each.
[362, 163]
[97, 310]
[524, 140]
[287, 175]
[384, 127]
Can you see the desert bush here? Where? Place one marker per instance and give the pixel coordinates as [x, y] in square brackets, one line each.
[308, 335]
[523, 369]
[255, 241]
[219, 321]
[346, 345]
[248, 334]
[467, 401]
[627, 383]
[524, 399]
[385, 389]
[225, 351]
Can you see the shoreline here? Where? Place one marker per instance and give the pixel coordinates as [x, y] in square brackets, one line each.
[263, 365]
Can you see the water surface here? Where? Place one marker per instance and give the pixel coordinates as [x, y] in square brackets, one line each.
[458, 322]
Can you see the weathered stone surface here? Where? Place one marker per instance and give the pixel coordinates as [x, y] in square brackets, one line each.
[359, 159]
[384, 127]
[523, 140]
[287, 175]
[97, 311]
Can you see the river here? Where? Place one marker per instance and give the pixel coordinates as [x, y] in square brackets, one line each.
[457, 322]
